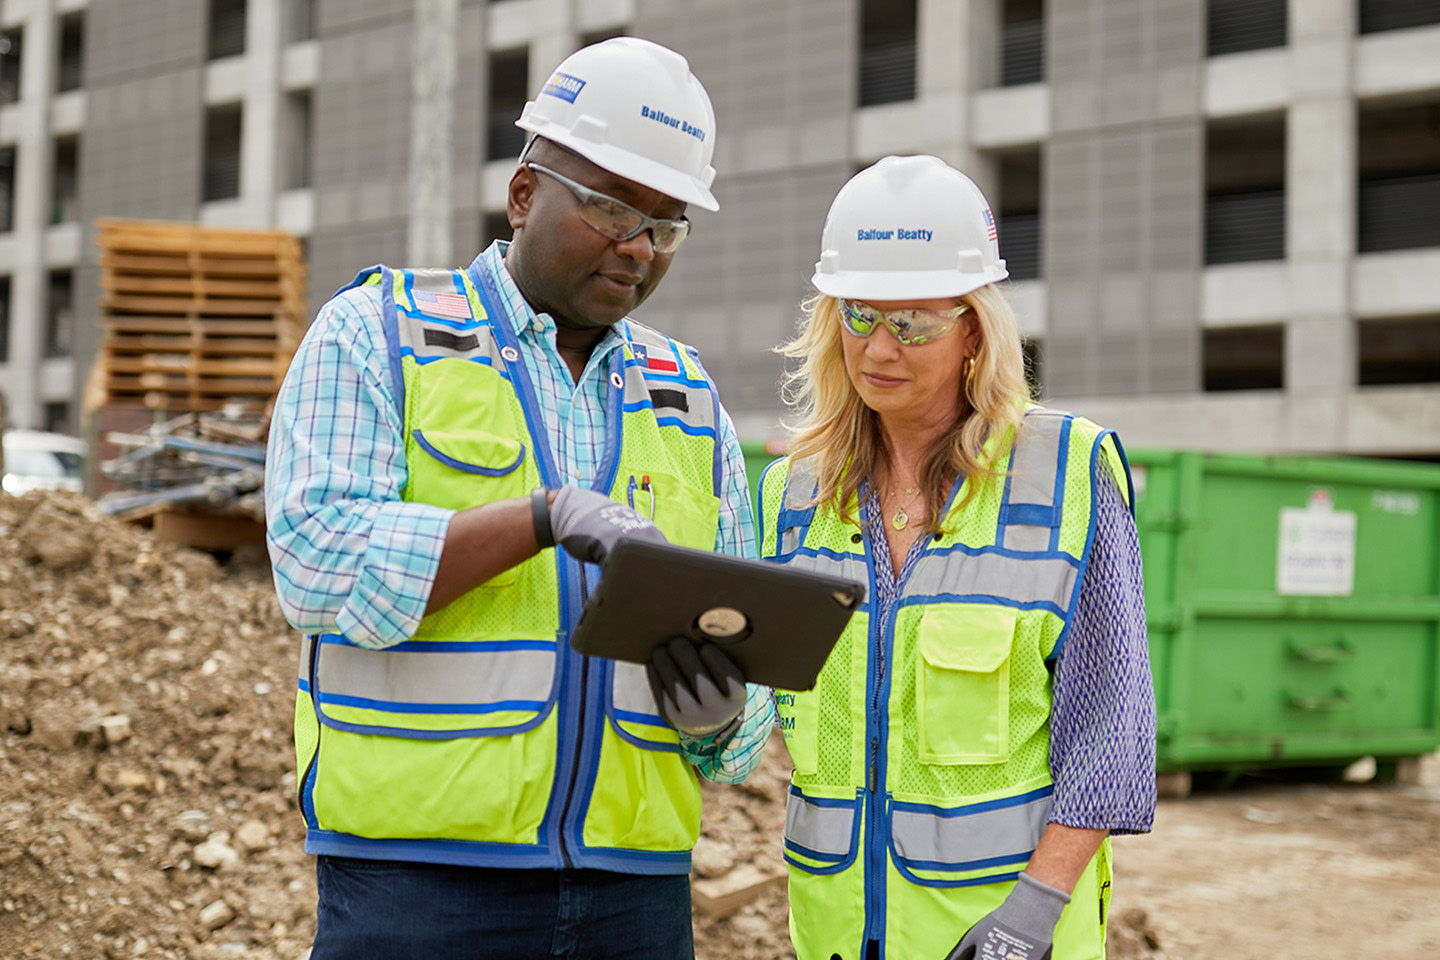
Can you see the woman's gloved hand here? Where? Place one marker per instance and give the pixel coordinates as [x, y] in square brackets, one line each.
[588, 524]
[700, 691]
[1021, 928]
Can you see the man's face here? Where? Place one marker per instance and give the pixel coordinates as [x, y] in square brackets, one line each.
[564, 266]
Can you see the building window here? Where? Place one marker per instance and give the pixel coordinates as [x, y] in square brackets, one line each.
[60, 314]
[4, 321]
[1377, 15]
[509, 89]
[11, 44]
[300, 21]
[1236, 25]
[1022, 43]
[227, 29]
[1399, 166]
[298, 142]
[496, 227]
[1019, 213]
[69, 74]
[222, 152]
[66, 183]
[7, 189]
[1245, 191]
[596, 36]
[1245, 358]
[887, 51]
[1399, 351]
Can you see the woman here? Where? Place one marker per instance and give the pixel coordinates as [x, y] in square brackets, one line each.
[987, 720]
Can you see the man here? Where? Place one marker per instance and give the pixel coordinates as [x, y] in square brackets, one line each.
[472, 786]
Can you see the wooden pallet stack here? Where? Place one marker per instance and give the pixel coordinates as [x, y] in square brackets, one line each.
[199, 325]
[195, 317]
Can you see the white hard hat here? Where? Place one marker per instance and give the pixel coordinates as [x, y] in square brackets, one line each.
[908, 228]
[634, 108]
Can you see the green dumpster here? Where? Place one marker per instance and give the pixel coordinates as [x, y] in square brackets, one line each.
[1293, 607]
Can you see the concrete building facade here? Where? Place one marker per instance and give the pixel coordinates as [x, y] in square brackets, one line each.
[1222, 217]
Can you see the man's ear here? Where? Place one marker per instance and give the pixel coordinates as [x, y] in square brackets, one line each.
[521, 195]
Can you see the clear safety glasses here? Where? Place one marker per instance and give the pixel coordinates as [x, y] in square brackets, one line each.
[910, 327]
[617, 220]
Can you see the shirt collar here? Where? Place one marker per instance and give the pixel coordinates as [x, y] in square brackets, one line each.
[523, 320]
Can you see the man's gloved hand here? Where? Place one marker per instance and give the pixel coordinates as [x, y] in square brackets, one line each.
[587, 524]
[1021, 928]
[700, 690]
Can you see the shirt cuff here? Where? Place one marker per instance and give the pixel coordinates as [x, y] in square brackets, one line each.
[396, 574]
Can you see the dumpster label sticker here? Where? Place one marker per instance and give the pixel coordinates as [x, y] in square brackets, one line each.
[1396, 501]
[1317, 551]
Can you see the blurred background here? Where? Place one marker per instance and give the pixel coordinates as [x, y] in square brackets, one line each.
[1222, 218]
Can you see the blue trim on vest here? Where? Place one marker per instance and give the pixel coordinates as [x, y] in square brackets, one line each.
[877, 732]
[758, 510]
[1000, 551]
[461, 465]
[483, 361]
[905, 864]
[686, 428]
[825, 553]
[604, 479]
[970, 809]
[1031, 515]
[645, 719]
[450, 646]
[980, 598]
[443, 709]
[984, 881]
[307, 786]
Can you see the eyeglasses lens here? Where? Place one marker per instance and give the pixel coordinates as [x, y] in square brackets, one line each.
[911, 327]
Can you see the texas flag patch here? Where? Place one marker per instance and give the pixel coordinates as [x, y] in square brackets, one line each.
[658, 364]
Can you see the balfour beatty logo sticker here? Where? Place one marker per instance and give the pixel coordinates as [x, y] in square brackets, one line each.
[899, 233]
[661, 116]
[564, 86]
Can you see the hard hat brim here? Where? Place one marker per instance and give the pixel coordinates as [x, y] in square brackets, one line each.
[624, 163]
[904, 284]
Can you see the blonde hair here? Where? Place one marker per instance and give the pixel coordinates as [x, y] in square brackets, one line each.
[842, 436]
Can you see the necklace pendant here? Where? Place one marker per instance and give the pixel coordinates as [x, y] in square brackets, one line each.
[900, 519]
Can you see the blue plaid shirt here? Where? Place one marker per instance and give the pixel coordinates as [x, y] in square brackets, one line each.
[349, 556]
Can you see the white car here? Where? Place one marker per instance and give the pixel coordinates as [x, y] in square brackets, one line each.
[35, 460]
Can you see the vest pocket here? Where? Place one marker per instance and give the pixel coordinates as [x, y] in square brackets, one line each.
[633, 713]
[822, 833]
[963, 683]
[684, 514]
[463, 469]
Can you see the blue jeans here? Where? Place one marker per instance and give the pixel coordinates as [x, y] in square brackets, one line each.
[388, 910]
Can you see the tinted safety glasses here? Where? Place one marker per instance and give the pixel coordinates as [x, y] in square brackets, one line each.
[617, 220]
[910, 327]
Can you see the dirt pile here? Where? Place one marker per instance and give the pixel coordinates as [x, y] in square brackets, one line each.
[147, 770]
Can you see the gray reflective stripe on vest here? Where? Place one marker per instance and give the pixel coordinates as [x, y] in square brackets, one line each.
[422, 678]
[826, 829]
[1005, 831]
[431, 338]
[800, 490]
[851, 566]
[1033, 470]
[1025, 580]
[630, 689]
[699, 402]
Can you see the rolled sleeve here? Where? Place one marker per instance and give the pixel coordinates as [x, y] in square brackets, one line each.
[348, 554]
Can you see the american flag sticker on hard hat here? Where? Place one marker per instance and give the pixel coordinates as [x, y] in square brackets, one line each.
[989, 224]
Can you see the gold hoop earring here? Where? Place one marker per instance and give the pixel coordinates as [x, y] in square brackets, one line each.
[967, 370]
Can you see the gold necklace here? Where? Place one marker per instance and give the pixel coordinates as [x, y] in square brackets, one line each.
[901, 518]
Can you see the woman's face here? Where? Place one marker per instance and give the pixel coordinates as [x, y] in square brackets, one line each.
[920, 382]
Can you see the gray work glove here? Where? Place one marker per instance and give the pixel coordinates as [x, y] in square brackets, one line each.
[1021, 928]
[700, 691]
[587, 524]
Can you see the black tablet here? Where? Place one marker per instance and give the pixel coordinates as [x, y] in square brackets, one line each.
[778, 623]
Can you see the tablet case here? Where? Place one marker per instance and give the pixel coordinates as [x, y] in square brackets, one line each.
[778, 623]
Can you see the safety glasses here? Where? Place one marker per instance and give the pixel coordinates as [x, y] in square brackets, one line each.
[910, 327]
[617, 220]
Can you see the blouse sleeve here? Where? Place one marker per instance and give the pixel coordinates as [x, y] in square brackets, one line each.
[1102, 726]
